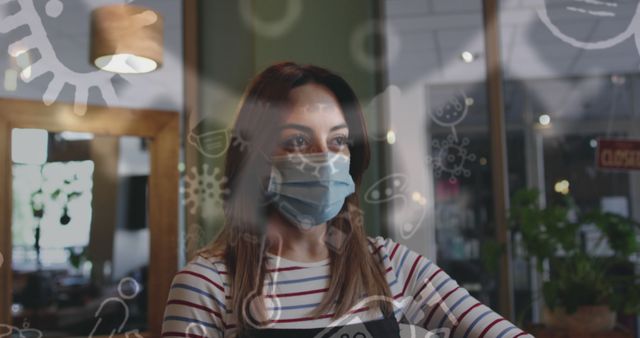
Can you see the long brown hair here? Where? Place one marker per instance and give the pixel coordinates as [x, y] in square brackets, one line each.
[242, 241]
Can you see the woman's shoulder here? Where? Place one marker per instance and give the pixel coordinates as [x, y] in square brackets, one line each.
[386, 245]
[394, 253]
[378, 243]
[203, 271]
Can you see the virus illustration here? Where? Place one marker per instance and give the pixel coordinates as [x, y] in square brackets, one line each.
[450, 158]
[205, 190]
[452, 112]
[49, 62]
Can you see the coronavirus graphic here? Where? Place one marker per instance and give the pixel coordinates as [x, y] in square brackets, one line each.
[450, 158]
[49, 62]
[205, 190]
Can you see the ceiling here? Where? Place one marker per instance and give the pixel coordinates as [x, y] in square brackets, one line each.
[63, 50]
[433, 34]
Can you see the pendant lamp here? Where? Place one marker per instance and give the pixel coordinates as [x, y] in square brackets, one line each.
[126, 39]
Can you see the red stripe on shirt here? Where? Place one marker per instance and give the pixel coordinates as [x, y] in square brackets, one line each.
[433, 311]
[493, 323]
[196, 306]
[395, 248]
[406, 283]
[290, 268]
[433, 275]
[218, 286]
[377, 249]
[293, 294]
[453, 330]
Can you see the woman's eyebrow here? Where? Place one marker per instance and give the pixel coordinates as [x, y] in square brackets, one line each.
[309, 130]
[297, 126]
[340, 126]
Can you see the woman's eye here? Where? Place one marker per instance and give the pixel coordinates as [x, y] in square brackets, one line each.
[295, 143]
[339, 142]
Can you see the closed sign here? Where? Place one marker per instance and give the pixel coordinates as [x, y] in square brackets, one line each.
[618, 154]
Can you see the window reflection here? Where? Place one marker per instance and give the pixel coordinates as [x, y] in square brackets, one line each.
[80, 236]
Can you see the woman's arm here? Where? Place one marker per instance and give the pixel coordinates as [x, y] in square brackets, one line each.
[436, 301]
[195, 307]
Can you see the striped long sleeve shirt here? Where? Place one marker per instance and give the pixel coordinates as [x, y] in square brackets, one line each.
[423, 295]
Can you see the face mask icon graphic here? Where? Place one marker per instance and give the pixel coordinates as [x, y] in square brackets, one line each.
[211, 144]
[617, 21]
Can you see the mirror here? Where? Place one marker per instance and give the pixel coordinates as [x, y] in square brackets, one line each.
[80, 236]
[89, 232]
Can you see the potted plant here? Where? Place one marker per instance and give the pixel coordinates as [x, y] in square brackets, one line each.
[582, 291]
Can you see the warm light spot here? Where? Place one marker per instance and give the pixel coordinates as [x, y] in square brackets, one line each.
[562, 187]
[416, 196]
[17, 51]
[126, 64]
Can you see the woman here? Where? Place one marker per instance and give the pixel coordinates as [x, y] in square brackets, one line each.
[293, 259]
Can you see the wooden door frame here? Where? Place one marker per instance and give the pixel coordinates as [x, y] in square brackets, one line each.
[161, 128]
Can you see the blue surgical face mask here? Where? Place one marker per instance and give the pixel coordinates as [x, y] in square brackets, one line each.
[310, 189]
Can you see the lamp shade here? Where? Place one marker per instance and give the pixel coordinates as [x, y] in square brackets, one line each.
[126, 39]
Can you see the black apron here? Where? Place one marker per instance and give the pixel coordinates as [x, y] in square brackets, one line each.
[382, 328]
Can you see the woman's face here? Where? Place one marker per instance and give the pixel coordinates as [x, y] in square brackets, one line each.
[313, 122]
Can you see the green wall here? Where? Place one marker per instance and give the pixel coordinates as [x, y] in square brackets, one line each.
[232, 51]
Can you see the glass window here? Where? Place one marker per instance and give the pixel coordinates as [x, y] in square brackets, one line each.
[80, 250]
[571, 79]
[439, 115]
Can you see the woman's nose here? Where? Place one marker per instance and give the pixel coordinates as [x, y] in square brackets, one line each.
[319, 146]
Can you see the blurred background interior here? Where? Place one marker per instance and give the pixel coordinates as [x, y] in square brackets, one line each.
[505, 138]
